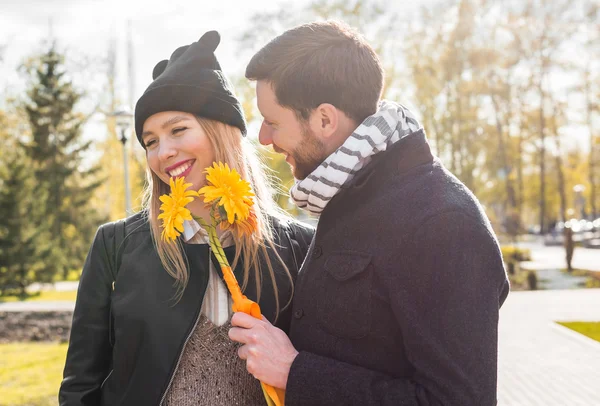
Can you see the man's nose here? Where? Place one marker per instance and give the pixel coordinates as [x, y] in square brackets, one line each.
[265, 135]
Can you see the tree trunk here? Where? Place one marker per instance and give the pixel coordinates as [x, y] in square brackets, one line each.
[510, 190]
[592, 162]
[542, 158]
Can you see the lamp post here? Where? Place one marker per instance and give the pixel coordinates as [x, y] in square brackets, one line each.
[123, 122]
[579, 199]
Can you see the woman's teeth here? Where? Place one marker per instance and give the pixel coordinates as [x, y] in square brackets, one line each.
[180, 169]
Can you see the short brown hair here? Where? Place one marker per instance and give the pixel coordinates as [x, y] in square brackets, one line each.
[321, 62]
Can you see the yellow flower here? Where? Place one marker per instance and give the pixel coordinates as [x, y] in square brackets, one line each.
[226, 188]
[244, 227]
[173, 208]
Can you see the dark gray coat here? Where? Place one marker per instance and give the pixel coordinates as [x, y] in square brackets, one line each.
[397, 302]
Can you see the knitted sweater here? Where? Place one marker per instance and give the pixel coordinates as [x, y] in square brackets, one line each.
[211, 373]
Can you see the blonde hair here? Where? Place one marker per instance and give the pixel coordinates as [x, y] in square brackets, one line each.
[232, 148]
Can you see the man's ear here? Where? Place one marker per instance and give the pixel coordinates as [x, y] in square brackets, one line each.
[325, 120]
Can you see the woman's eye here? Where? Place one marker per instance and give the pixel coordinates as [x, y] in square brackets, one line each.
[179, 130]
[149, 143]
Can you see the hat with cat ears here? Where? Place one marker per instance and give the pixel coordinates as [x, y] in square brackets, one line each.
[191, 81]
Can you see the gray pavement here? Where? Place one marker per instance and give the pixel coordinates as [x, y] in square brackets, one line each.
[553, 257]
[543, 363]
[58, 286]
[37, 306]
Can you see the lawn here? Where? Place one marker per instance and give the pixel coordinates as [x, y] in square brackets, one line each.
[30, 374]
[46, 295]
[589, 329]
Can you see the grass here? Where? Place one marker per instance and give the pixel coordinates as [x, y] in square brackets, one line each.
[593, 277]
[72, 276]
[47, 295]
[30, 373]
[588, 329]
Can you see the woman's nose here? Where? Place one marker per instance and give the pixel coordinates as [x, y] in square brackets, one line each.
[166, 150]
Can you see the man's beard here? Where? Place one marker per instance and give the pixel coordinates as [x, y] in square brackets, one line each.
[308, 155]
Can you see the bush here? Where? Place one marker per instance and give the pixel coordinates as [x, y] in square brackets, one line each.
[510, 253]
[519, 280]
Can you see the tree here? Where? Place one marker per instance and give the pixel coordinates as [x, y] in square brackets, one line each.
[21, 242]
[591, 91]
[57, 152]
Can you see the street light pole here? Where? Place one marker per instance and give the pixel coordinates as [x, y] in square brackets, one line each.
[123, 121]
[580, 199]
[126, 171]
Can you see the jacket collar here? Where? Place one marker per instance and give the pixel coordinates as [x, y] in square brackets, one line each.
[410, 152]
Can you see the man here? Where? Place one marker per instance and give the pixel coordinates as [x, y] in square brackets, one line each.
[397, 302]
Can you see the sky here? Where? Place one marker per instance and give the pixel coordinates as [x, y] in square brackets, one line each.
[84, 28]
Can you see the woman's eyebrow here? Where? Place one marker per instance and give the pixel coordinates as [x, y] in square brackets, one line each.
[174, 120]
[171, 121]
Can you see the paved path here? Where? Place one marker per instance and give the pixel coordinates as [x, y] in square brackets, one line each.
[543, 363]
[39, 306]
[58, 286]
[553, 257]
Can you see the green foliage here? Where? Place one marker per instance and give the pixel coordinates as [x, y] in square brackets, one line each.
[57, 151]
[30, 374]
[21, 241]
[515, 254]
[519, 279]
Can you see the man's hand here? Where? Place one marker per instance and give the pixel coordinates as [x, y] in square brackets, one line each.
[268, 351]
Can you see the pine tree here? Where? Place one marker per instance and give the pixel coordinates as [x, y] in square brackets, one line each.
[22, 243]
[58, 154]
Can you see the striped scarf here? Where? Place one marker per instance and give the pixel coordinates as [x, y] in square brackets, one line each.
[375, 134]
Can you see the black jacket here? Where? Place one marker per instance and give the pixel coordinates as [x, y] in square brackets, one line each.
[397, 302]
[135, 366]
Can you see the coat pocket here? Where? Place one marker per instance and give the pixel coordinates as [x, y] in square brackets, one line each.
[344, 294]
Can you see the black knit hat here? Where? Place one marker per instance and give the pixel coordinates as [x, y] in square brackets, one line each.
[191, 81]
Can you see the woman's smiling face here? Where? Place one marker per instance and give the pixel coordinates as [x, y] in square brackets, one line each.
[176, 145]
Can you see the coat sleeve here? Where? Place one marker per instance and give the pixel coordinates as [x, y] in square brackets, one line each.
[89, 353]
[446, 299]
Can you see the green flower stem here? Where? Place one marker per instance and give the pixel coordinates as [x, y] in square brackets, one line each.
[214, 241]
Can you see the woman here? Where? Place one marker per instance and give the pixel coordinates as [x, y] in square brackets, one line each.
[151, 319]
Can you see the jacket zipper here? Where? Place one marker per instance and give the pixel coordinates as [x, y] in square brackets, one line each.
[106, 379]
[162, 399]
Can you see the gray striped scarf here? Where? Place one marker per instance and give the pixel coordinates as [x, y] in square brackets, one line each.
[375, 134]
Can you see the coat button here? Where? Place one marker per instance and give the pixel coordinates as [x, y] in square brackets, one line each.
[298, 314]
[317, 252]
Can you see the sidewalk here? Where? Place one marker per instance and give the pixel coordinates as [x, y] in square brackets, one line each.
[543, 363]
[33, 306]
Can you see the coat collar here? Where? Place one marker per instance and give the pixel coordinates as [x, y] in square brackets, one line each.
[410, 152]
